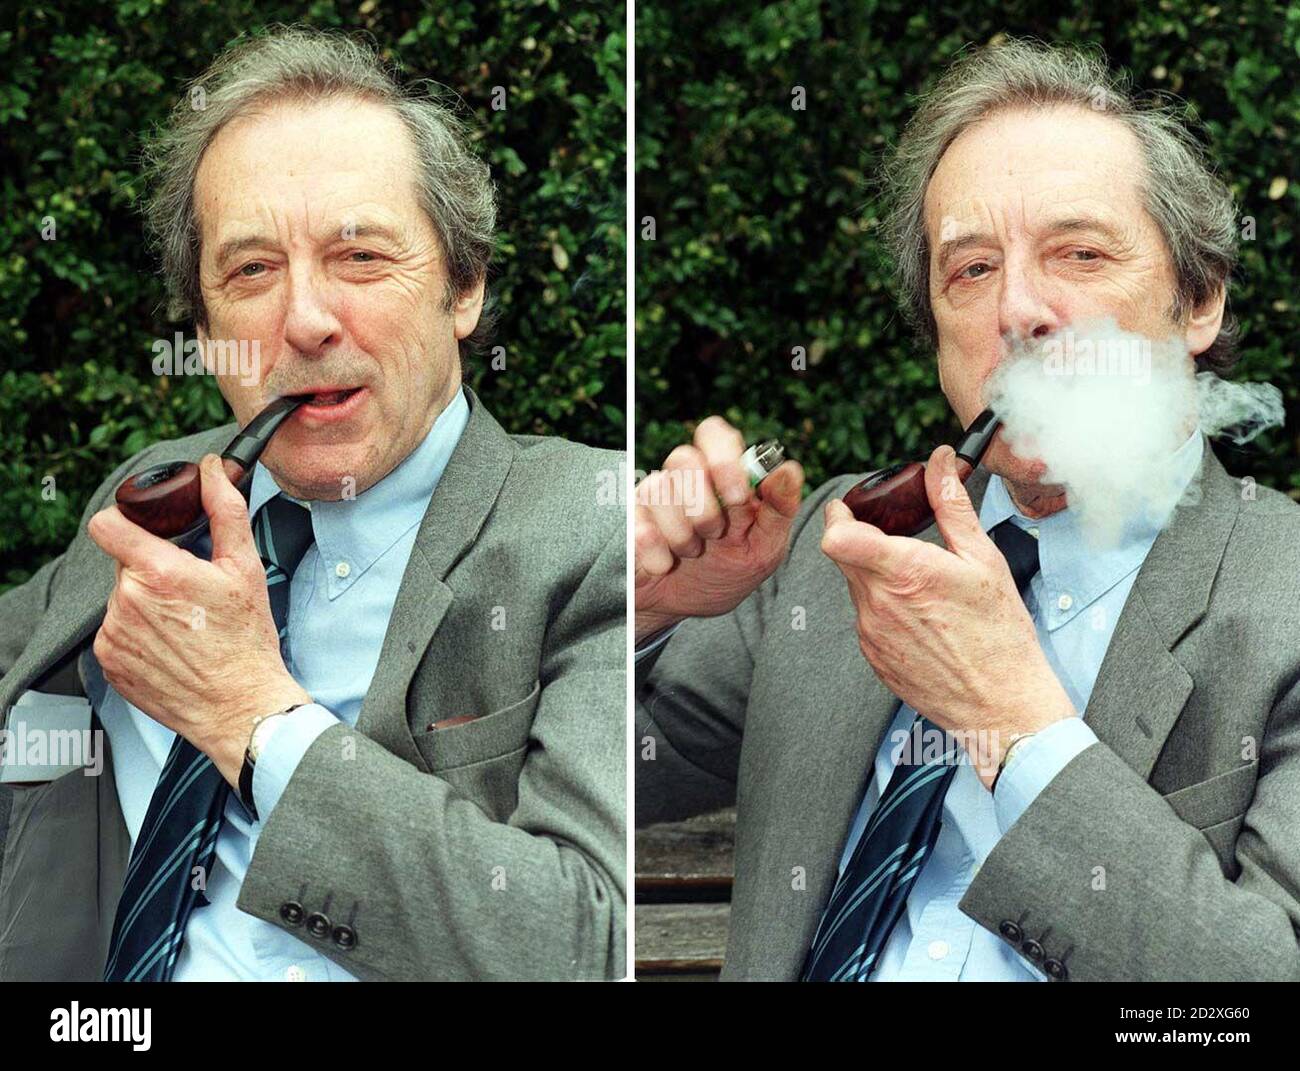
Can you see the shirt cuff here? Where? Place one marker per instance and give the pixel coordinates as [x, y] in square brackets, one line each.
[283, 752]
[1034, 764]
[656, 643]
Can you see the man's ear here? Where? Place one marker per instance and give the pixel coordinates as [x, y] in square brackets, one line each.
[1204, 323]
[468, 308]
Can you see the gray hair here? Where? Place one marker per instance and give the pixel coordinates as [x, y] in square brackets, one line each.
[1192, 208]
[454, 186]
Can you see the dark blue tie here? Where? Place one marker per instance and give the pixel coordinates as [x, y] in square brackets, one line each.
[871, 895]
[179, 834]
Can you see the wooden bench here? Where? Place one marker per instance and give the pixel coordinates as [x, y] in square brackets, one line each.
[683, 897]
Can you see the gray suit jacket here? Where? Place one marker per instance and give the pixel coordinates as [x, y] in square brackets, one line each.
[1168, 850]
[491, 849]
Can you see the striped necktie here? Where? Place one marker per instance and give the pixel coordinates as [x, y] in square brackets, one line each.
[871, 895]
[178, 839]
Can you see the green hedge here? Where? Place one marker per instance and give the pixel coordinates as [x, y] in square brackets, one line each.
[83, 80]
[766, 229]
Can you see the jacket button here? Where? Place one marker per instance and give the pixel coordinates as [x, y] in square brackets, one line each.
[345, 937]
[1031, 949]
[1055, 970]
[292, 913]
[1011, 931]
[318, 925]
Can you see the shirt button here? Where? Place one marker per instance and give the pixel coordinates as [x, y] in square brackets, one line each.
[1064, 602]
[342, 569]
[938, 949]
[295, 974]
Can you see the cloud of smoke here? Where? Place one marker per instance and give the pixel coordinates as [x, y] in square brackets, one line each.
[1106, 410]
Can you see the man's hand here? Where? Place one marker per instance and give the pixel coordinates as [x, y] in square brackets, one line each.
[192, 643]
[946, 630]
[695, 558]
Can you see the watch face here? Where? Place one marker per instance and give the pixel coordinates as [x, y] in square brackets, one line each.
[262, 733]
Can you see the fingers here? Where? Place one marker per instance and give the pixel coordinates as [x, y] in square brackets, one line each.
[954, 513]
[656, 498]
[654, 557]
[130, 545]
[232, 536]
[677, 507]
[680, 503]
[722, 445]
[698, 495]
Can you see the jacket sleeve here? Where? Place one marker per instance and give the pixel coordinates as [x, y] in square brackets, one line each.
[1110, 881]
[691, 697]
[441, 891]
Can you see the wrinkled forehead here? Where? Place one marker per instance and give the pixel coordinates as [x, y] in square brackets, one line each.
[1016, 169]
[309, 158]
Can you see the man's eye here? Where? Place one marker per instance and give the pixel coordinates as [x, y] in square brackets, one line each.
[1090, 254]
[250, 274]
[361, 253]
[965, 272]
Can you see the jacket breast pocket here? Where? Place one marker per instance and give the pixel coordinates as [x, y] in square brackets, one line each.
[1217, 799]
[482, 758]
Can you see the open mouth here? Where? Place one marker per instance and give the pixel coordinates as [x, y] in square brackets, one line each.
[327, 399]
[320, 408]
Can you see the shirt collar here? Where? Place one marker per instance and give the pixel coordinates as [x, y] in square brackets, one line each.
[351, 534]
[1073, 573]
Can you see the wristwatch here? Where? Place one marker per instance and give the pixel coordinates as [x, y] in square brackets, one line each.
[263, 728]
[1006, 757]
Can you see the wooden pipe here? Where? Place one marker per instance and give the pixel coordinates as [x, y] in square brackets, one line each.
[165, 499]
[894, 499]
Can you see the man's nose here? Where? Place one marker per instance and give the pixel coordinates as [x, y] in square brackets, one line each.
[310, 325]
[1026, 309]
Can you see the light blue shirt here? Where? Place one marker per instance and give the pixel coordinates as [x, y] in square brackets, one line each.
[340, 602]
[1075, 600]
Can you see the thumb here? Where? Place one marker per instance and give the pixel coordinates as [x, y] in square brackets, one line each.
[954, 513]
[780, 496]
[232, 536]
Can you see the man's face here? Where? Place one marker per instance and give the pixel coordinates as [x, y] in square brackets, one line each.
[1036, 221]
[314, 247]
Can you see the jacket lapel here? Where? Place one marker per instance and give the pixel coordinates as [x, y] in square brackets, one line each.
[460, 505]
[1169, 596]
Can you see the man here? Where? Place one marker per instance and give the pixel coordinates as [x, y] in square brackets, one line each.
[414, 768]
[1130, 807]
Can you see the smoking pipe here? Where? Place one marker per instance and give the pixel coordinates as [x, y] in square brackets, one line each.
[165, 499]
[894, 499]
